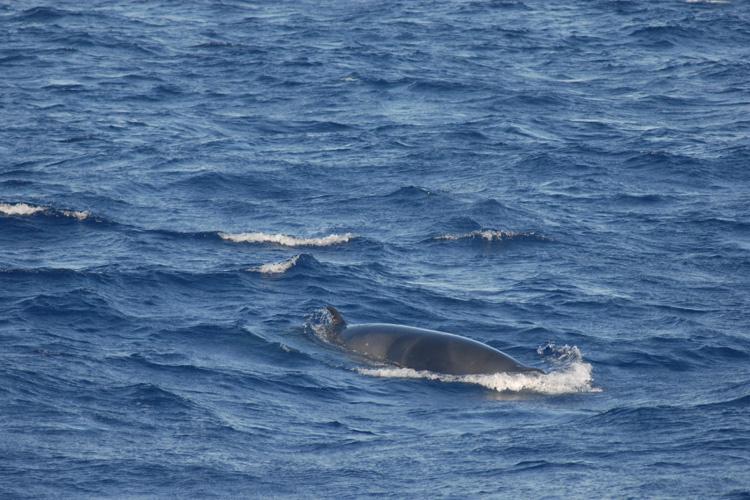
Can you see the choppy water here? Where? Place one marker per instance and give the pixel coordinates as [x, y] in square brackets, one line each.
[184, 185]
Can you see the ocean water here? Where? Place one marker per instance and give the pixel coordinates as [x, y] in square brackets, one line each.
[185, 185]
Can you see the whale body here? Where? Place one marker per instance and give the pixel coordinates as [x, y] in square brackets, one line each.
[421, 349]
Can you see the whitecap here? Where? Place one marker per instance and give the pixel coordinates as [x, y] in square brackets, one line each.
[27, 209]
[288, 241]
[276, 267]
[20, 209]
[76, 214]
[489, 235]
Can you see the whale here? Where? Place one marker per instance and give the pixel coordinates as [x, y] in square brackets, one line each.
[421, 349]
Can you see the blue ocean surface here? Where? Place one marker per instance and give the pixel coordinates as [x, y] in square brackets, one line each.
[184, 186]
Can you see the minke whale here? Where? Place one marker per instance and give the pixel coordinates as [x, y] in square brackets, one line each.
[421, 349]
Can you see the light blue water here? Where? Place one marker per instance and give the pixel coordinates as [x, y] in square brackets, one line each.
[184, 185]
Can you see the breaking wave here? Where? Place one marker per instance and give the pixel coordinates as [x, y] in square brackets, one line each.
[491, 235]
[19, 209]
[287, 241]
[26, 209]
[300, 260]
[276, 267]
[76, 214]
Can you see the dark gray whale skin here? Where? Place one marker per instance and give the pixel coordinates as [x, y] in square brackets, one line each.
[421, 349]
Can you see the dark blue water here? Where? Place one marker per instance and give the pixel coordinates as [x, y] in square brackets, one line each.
[184, 185]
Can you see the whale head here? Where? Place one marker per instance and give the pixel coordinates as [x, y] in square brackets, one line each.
[337, 324]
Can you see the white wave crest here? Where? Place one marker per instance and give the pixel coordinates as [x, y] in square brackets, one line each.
[76, 214]
[287, 241]
[489, 235]
[26, 209]
[20, 209]
[276, 267]
[571, 375]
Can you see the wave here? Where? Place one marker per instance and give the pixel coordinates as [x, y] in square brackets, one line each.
[276, 267]
[570, 375]
[302, 259]
[42, 14]
[19, 209]
[153, 396]
[741, 402]
[429, 86]
[491, 235]
[287, 241]
[409, 192]
[76, 214]
[668, 35]
[407, 195]
[27, 209]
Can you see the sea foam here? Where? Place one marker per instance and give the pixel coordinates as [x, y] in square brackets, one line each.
[20, 209]
[490, 235]
[570, 374]
[76, 214]
[287, 241]
[26, 209]
[276, 267]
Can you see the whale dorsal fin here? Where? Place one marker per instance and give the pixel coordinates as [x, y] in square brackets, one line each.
[337, 320]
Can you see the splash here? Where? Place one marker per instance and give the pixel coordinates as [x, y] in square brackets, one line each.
[277, 267]
[320, 323]
[570, 374]
[287, 241]
[490, 235]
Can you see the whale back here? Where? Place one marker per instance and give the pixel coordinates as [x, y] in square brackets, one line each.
[431, 350]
